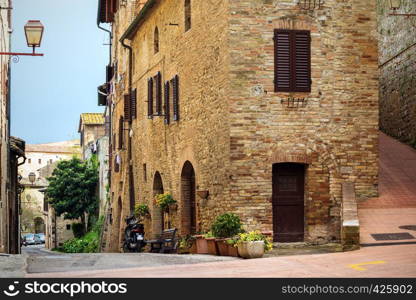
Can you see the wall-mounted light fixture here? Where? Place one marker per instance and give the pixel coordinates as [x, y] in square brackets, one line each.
[34, 33]
[395, 5]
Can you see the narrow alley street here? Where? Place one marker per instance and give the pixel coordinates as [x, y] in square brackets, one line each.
[393, 212]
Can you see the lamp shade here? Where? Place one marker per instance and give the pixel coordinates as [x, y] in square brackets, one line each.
[34, 33]
[395, 4]
[32, 177]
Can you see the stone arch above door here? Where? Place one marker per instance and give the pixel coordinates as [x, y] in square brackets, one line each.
[188, 204]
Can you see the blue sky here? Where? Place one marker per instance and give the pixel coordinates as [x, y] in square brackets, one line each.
[49, 93]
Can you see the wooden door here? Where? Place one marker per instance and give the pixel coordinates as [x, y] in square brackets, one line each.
[288, 202]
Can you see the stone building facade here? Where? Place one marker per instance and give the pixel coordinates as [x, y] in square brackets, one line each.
[37, 215]
[91, 128]
[397, 61]
[232, 140]
[5, 25]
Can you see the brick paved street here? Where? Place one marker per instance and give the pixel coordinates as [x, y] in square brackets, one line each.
[395, 207]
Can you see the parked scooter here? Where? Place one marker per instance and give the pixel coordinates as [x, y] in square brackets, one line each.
[133, 235]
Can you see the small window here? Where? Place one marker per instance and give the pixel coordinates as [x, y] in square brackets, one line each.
[156, 40]
[39, 161]
[50, 161]
[158, 93]
[144, 172]
[120, 133]
[68, 226]
[187, 15]
[150, 98]
[29, 161]
[175, 97]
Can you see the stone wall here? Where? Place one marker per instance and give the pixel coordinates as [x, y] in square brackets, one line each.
[233, 127]
[397, 46]
[337, 129]
[4, 143]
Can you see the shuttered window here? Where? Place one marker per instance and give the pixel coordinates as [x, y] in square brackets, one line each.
[127, 108]
[292, 60]
[167, 103]
[120, 133]
[175, 97]
[133, 103]
[150, 98]
[158, 102]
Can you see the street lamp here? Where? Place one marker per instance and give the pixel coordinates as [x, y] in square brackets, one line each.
[34, 33]
[395, 4]
[32, 177]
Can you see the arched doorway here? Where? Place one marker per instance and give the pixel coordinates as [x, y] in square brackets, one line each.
[188, 205]
[119, 224]
[157, 216]
[39, 225]
[288, 202]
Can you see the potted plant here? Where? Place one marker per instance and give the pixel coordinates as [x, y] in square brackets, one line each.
[232, 247]
[142, 211]
[187, 245]
[225, 226]
[211, 244]
[164, 201]
[201, 244]
[253, 244]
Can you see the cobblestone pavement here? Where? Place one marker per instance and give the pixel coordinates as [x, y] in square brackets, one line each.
[392, 212]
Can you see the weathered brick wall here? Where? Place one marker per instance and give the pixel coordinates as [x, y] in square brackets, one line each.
[397, 46]
[335, 134]
[201, 136]
[233, 127]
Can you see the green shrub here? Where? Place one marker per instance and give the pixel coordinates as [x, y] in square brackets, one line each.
[142, 211]
[78, 230]
[226, 225]
[164, 200]
[89, 243]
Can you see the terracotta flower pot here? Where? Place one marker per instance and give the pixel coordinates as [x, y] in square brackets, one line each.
[201, 244]
[251, 249]
[212, 246]
[232, 251]
[222, 247]
[193, 248]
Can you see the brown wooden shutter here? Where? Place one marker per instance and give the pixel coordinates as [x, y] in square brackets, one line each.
[133, 102]
[110, 159]
[175, 100]
[127, 108]
[109, 71]
[167, 104]
[150, 98]
[158, 94]
[120, 133]
[282, 80]
[292, 60]
[302, 61]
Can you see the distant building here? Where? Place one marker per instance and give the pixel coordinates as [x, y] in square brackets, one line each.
[95, 141]
[11, 149]
[37, 216]
[91, 128]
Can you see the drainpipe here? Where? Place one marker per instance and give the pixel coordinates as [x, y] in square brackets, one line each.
[129, 150]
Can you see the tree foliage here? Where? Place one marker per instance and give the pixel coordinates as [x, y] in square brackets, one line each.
[72, 188]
